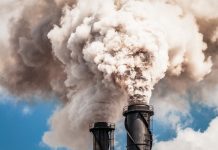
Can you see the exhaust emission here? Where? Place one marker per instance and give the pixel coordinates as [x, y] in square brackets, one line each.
[93, 55]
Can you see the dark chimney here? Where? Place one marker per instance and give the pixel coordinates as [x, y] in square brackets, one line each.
[137, 124]
[103, 135]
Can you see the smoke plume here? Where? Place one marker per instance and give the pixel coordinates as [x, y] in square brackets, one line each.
[96, 55]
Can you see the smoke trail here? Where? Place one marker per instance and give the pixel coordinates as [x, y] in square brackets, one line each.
[95, 55]
[30, 67]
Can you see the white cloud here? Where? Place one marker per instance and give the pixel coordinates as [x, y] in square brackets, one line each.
[188, 139]
[26, 110]
[3, 96]
[170, 110]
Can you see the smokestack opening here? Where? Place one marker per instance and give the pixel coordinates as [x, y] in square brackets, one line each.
[103, 135]
[137, 124]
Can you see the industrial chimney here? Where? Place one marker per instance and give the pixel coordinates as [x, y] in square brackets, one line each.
[137, 124]
[103, 135]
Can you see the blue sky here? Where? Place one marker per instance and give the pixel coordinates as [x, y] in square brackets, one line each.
[22, 125]
[22, 129]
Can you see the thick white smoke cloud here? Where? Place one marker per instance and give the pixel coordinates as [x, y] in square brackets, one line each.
[95, 56]
[178, 91]
[192, 140]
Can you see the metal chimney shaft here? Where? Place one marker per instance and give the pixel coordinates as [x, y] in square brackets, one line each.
[103, 135]
[137, 124]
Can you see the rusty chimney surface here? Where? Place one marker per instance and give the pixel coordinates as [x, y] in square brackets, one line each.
[137, 124]
[103, 135]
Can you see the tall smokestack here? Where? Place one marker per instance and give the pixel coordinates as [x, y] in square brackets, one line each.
[103, 135]
[137, 124]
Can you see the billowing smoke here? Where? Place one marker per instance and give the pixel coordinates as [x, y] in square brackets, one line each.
[95, 55]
